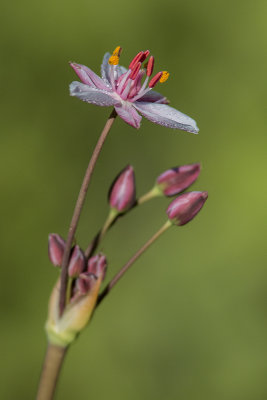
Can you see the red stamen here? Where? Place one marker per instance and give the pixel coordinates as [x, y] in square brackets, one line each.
[150, 66]
[145, 55]
[155, 80]
[135, 71]
[136, 59]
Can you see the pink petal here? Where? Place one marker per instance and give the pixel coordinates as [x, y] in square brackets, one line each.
[129, 115]
[88, 77]
[153, 97]
[167, 116]
[92, 95]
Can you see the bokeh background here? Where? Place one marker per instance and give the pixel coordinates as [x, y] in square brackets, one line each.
[189, 321]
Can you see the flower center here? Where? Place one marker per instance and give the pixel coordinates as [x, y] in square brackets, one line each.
[129, 85]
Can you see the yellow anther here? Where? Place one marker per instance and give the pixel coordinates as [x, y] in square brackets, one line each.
[165, 76]
[117, 51]
[113, 60]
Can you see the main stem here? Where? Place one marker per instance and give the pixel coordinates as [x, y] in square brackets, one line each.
[51, 369]
[78, 209]
[117, 277]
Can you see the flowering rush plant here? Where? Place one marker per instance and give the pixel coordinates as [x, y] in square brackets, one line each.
[78, 291]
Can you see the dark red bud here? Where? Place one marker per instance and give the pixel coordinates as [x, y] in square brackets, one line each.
[175, 180]
[122, 194]
[56, 246]
[186, 207]
[77, 262]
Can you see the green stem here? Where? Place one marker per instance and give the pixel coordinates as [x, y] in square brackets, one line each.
[113, 216]
[118, 276]
[100, 235]
[154, 192]
[109, 221]
[51, 368]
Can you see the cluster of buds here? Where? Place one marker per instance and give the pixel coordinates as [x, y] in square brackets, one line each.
[122, 194]
[85, 276]
[84, 281]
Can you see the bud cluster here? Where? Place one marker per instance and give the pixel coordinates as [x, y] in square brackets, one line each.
[86, 273]
[84, 281]
[83, 273]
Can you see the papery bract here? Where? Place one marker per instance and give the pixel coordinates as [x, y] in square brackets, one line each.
[123, 89]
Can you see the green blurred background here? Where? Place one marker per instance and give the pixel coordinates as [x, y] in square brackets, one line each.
[189, 321]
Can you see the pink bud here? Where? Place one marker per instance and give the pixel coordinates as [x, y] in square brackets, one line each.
[122, 191]
[56, 246]
[77, 262]
[97, 266]
[185, 207]
[175, 180]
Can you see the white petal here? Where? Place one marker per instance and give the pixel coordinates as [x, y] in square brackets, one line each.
[129, 114]
[153, 97]
[121, 70]
[92, 95]
[167, 116]
[105, 69]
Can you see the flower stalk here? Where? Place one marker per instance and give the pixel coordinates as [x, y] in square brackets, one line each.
[76, 293]
[51, 368]
[125, 268]
[78, 209]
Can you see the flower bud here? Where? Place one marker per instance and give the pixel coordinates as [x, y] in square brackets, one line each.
[85, 282]
[175, 180]
[77, 262]
[122, 192]
[185, 207]
[56, 246]
[97, 266]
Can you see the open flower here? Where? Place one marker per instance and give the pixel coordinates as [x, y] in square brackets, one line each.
[123, 88]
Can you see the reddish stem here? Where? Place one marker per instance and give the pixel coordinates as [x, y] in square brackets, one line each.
[125, 268]
[78, 209]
